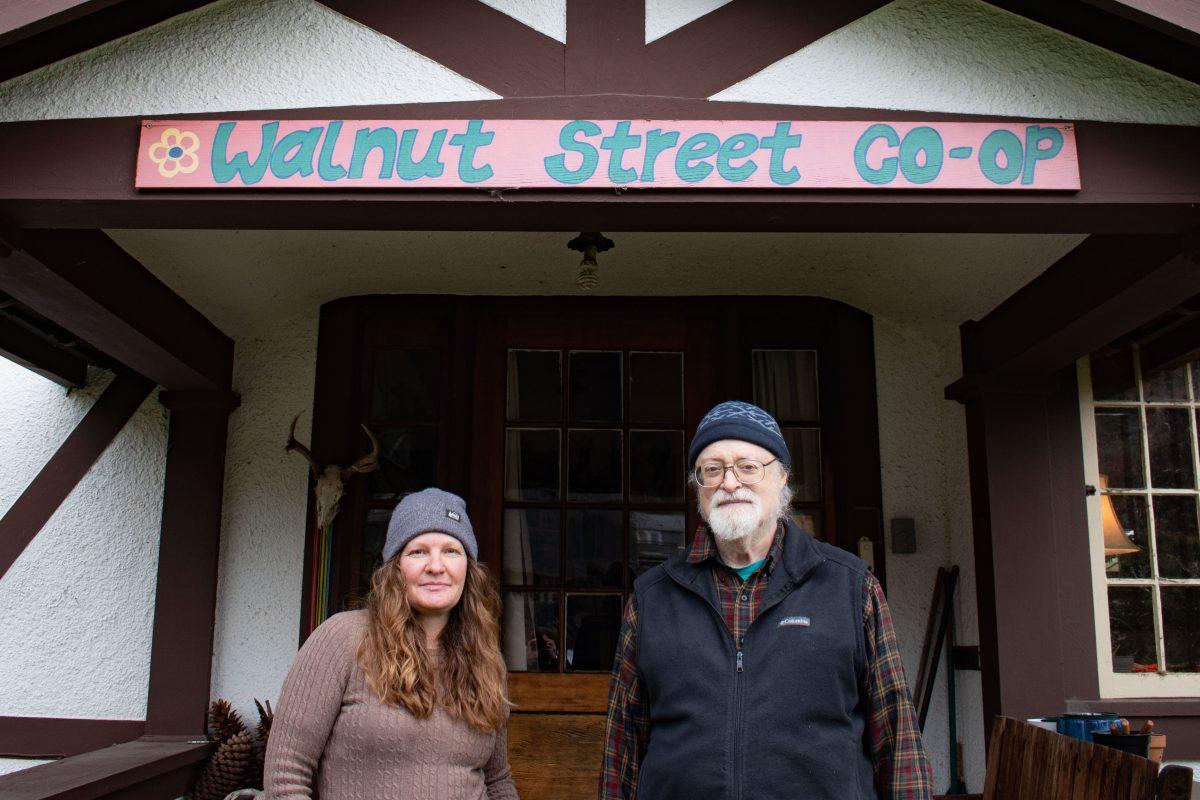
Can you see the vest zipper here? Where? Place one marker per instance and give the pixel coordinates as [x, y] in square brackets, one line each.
[739, 661]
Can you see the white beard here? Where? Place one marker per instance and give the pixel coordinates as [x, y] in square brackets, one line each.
[734, 522]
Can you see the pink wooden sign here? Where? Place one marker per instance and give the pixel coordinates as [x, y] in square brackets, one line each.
[604, 154]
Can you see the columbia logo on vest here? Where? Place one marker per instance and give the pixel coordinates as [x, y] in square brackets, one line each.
[803, 622]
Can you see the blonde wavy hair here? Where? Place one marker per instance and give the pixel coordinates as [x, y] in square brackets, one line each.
[471, 682]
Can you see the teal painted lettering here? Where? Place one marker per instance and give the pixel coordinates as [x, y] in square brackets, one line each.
[779, 143]
[740, 145]
[886, 171]
[470, 141]
[224, 169]
[1035, 136]
[656, 143]
[690, 165]
[326, 169]
[923, 139]
[430, 165]
[994, 144]
[366, 140]
[295, 153]
[556, 165]
[616, 145]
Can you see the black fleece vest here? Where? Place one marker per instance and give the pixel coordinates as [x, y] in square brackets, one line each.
[779, 715]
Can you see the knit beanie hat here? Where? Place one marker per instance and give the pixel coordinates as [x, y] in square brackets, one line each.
[429, 511]
[742, 421]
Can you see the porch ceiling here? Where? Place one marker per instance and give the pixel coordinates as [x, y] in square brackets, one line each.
[247, 281]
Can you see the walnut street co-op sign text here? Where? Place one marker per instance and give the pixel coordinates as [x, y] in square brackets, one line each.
[726, 154]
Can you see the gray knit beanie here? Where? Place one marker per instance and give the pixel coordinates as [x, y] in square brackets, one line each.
[429, 511]
[742, 421]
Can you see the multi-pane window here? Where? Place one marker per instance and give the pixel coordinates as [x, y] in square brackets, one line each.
[1146, 469]
[594, 495]
[785, 384]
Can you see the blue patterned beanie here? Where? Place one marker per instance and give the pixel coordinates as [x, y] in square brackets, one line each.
[742, 421]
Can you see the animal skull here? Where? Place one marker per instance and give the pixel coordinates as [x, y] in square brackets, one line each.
[331, 481]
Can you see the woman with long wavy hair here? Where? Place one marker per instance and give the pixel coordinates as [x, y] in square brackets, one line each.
[404, 699]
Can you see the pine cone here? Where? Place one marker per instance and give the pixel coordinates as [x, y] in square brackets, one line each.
[263, 732]
[224, 722]
[226, 770]
[265, 718]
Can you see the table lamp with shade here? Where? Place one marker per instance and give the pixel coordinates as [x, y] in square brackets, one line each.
[1117, 541]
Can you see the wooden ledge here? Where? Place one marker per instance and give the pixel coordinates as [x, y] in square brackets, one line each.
[166, 761]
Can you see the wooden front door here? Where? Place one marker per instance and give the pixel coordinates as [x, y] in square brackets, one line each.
[579, 478]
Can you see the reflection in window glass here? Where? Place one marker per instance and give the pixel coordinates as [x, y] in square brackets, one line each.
[656, 470]
[594, 548]
[534, 385]
[1181, 626]
[1170, 438]
[593, 623]
[531, 546]
[595, 386]
[531, 464]
[594, 466]
[374, 534]
[785, 384]
[805, 446]
[1166, 385]
[405, 385]
[1131, 617]
[809, 519]
[1113, 378]
[655, 387]
[653, 538]
[407, 461]
[1177, 536]
[530, 631]
[1119, 447]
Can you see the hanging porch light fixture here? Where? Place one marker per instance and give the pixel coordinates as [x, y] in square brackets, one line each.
[589, 243]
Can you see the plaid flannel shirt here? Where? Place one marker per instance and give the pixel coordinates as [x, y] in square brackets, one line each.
[893, 737]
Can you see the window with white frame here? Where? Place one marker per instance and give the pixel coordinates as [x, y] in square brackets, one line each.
[1140, 434]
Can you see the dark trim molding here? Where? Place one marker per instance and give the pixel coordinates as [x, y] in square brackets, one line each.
[81, 27]
[79, 173]
[475, 40]
[36, 353]
[1122, 27]
[1101, 290]
[62, 473]
[47, 737]
[185, 598]
[82, 281]
[149, 768]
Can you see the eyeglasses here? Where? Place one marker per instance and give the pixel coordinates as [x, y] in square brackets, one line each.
[745, 470]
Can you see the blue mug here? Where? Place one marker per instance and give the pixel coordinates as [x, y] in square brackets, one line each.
[1082, 726]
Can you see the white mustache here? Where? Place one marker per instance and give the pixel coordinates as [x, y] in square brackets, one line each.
[740, 493]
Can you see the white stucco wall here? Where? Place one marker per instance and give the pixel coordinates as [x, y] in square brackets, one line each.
[78, 602]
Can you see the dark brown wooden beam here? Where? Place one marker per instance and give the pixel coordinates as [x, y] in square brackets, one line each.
[79, 27]
[186, 594]
[79, 173]
[1152, 40]
[1101, 290]
[81, 280]
[46, 737]
[736, 41]
[149, 767]
[36, 353]
[1174, 348]
[473, 39]
[62, 473]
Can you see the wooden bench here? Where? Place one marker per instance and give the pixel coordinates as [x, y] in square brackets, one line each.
[1030, 763]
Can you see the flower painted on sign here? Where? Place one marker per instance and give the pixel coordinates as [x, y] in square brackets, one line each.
[175, 152]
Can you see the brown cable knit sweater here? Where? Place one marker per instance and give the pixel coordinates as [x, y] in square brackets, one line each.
[334, 739]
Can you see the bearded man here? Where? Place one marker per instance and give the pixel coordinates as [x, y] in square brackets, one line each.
[759, 663]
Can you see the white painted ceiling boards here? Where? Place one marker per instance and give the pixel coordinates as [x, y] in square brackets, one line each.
[664, 16]
[544, 16]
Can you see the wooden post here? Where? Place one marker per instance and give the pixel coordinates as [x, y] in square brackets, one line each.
[185, 600]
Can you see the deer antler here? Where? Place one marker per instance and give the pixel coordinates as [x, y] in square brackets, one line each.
[369, 462]
[295, 447]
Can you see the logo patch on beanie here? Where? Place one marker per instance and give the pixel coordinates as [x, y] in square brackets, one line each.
[454, 515]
